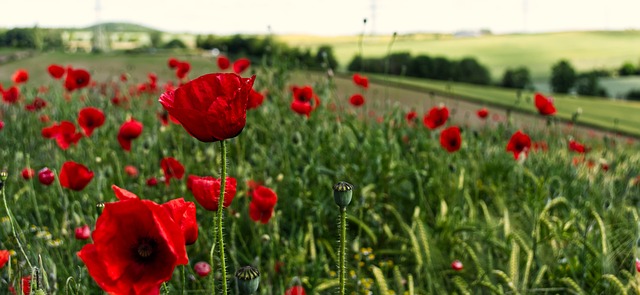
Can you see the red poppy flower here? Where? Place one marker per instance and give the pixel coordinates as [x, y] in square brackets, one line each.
[456, 265]
[436, 117]
[202, 269]
[544, 105]
[206, 190]
[520, 143]
[89, 119]
[241, 65]
[482, 113]
[10, 95]
[124, 77]
[36, 105]
[295, 290]
[76, 79]
[65, 134]
[356, 100]
[83, 232]
[1, 125]
[577, 147]
[4, 257]
[28, 173]
[304, 93]
[184, 215]
[136, 247]
[173, 63]
[20, 76]
[56, 71]
[450, 139]
[172, 168]
[263, 200]
[223, 62]
[212, 107]
[26, 285]
[131, 171]
[152, 181]
[302, 107]
[540, 145]
[183, 69]
[637, 265]
[255, 99]
[46, 176]
[361, 81]
[75, 176]
[129, 131]
[411, 116]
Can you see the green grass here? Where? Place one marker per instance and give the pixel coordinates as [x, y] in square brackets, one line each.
[585, 50]
[595, 111]
[540, 225]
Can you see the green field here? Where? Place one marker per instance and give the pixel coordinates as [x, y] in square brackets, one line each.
[585, 50]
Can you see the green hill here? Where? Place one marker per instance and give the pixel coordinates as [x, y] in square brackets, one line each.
[122, 27]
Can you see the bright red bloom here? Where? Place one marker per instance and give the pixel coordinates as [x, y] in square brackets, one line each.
[56, 71]
[411, 116]
[172, 168]
[131, 171]
[28, 173]
[76, 79]
[173, 63]
[482, 113]
[36, 105]
[202, 269]
[46, 176]
[304, 93]
[184, 215]
[637, 265]
[520, 143]
[83, 232]
[129, 131]
[456, 265]
[20, 76]
[356, 100]
[263, 200]
[75, 176]
[241, 65]
[124, 77]
[136, 246]
[89, 119]
[212, 107]
[65, 134]
[450, 139]
[223, 62]
[436, 117]
[1, 125]
[577, 147]
[4, 257]
[152, 181]
[10, 95]
[302, 100]
[206, 191]
[302, 107]
[255, 99]
[544, 105]
[183, 69]
[361, 81]
[295, 290]
[26, 285]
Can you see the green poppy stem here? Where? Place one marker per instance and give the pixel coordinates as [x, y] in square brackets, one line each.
[223, 182]
[343, 249]
[3, 179]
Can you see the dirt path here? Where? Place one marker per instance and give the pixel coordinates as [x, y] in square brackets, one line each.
[462, 112]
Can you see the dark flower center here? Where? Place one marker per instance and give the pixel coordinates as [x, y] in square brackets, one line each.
[145, 250]
[453, 142]
[80, 81]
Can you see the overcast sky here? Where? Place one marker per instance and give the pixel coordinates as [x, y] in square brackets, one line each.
[329, 17]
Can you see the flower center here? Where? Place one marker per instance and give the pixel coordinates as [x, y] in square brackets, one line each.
[145, 249]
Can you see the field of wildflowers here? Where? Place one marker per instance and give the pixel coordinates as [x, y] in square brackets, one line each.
[207, 185]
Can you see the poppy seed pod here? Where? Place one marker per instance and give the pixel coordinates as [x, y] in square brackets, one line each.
[3, 177]
[342, 193]
[248, 279]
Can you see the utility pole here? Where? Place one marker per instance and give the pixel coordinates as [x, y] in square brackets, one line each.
[99, 42]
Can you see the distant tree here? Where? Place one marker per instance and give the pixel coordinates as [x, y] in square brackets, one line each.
[627, 69]
[175, 43]
[325, 55]
[633, 94]
[355, 65]
[469, 70]
[20, 38]
[397, 63]
[563, 77]
[442, 69]
[588, 84]
[421, 66]
[156, 39]
[518, 78]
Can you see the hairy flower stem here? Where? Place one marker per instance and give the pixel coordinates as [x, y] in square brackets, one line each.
[343, 249]
[223, 183]
[11, 222]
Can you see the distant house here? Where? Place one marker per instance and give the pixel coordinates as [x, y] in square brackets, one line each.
[83, 40]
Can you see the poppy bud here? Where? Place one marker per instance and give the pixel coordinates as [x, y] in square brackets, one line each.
[342, 193]
[3, 177]
[456, 265]
[202, 269]
[248, 279]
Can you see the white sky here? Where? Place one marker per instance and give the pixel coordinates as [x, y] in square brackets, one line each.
[329, 17]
